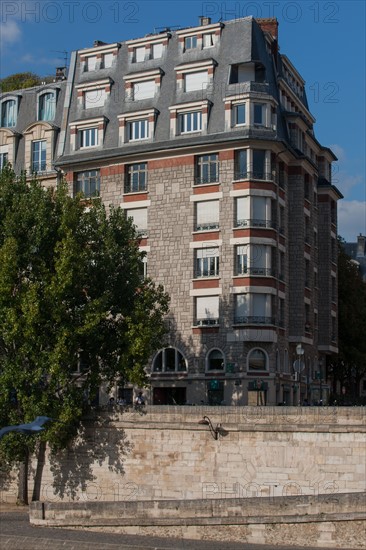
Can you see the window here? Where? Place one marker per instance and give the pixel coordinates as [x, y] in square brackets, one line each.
[241, 72]
[138, 129]
[94, 98]
[90, 63]
[207, 310]
[190, 42]
[257, 360]
[143, 90]
[207, 262]
[9, 113]
[39, 156]
[253, 259]
[195, 81]
[240, 164]
[136, 178]
[157, 51]
[207, 168]
[215, 360]
[88, 183]
[252, 308]
[169, 360]
[88, 137]
[3, 156]
[259, 158]
[239, 114]
[207, 215]
[107, 60]
[258, 114]
[47, 106]
[208, 40]
[253, 211]
[139, 54]
[139, 220]
[190, 122]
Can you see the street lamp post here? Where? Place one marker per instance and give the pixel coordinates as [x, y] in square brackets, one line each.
[299, 366]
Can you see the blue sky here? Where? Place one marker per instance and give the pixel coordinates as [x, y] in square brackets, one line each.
[325, 40]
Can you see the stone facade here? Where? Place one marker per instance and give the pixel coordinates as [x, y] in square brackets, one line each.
[206, 141]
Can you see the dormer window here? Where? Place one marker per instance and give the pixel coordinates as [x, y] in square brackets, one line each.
[189, 118]
[9, 113]
[137, 126]
[139, 54]
[90, 63]
[143, 85]
[98, 57]
[47, 106]
[190, 42]
[94, 94]
[195, 76]
[208, 40]
[195, 81]
[87, 133]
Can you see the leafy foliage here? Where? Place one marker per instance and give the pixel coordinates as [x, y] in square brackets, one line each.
[19, 81]
[351, 364]
[74, 311]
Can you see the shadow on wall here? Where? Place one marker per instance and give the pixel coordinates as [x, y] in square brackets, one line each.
[98, 441]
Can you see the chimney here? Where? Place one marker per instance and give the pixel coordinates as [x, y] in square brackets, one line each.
[269, 25]
[361, 246]
[60, 73]
[99, 43]
[203, 20]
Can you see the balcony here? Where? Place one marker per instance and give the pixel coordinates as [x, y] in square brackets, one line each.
[206, 273]
[254, 320]
[257, 175]
[204, 180]
[257, 271]
[268, 224]
[248, 86]
[206, 322]
[207, 226]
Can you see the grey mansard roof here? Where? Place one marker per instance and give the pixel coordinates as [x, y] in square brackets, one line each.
[242, 41]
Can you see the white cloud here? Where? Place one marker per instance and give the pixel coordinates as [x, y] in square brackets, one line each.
[351, 219]
[9, 32]
[345, 182]
[339, 152]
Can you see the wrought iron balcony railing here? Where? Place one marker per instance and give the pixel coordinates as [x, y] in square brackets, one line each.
[258, 175]
[268, 224]
[254, 320]
[207, 226]
[206, 322]
[261, 271]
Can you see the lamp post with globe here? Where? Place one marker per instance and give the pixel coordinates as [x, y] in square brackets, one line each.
[299, 366]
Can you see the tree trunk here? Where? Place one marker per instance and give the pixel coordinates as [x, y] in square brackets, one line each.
[23, 480]
[40, 465]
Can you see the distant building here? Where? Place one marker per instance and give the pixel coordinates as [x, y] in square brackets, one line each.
[357, 251]
[204, 137]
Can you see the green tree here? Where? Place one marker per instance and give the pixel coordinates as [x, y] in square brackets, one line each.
[19, 81]
[350, 366]
[71, 295]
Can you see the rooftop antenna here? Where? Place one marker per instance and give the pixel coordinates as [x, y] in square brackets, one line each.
[65, 56]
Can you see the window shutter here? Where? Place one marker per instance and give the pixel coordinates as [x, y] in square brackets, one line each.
[107, 60]
[207, 211]
[207, 253]
[157, 51]
[242, 208]
[94, 98]
[91, 63]
[139, 217]
[140, 54]
[144, 90]
[195, 81]
[207, 307]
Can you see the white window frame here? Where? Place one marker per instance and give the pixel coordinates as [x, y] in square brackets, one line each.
[4, 155]
[157, 50]
[41, 98]
[190, 42]
[77, 127]
[88, 137]
[207, 262]
[139, 54]
[40, 164]
[91, 63]
[101, 89]
[127, 120]
[190, 122]
[15, 103]
[107, 60]
[138, 130]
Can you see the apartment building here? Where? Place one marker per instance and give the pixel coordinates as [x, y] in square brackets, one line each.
[204, 137]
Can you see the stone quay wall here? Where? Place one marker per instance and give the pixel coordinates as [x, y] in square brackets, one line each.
[164, 453]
